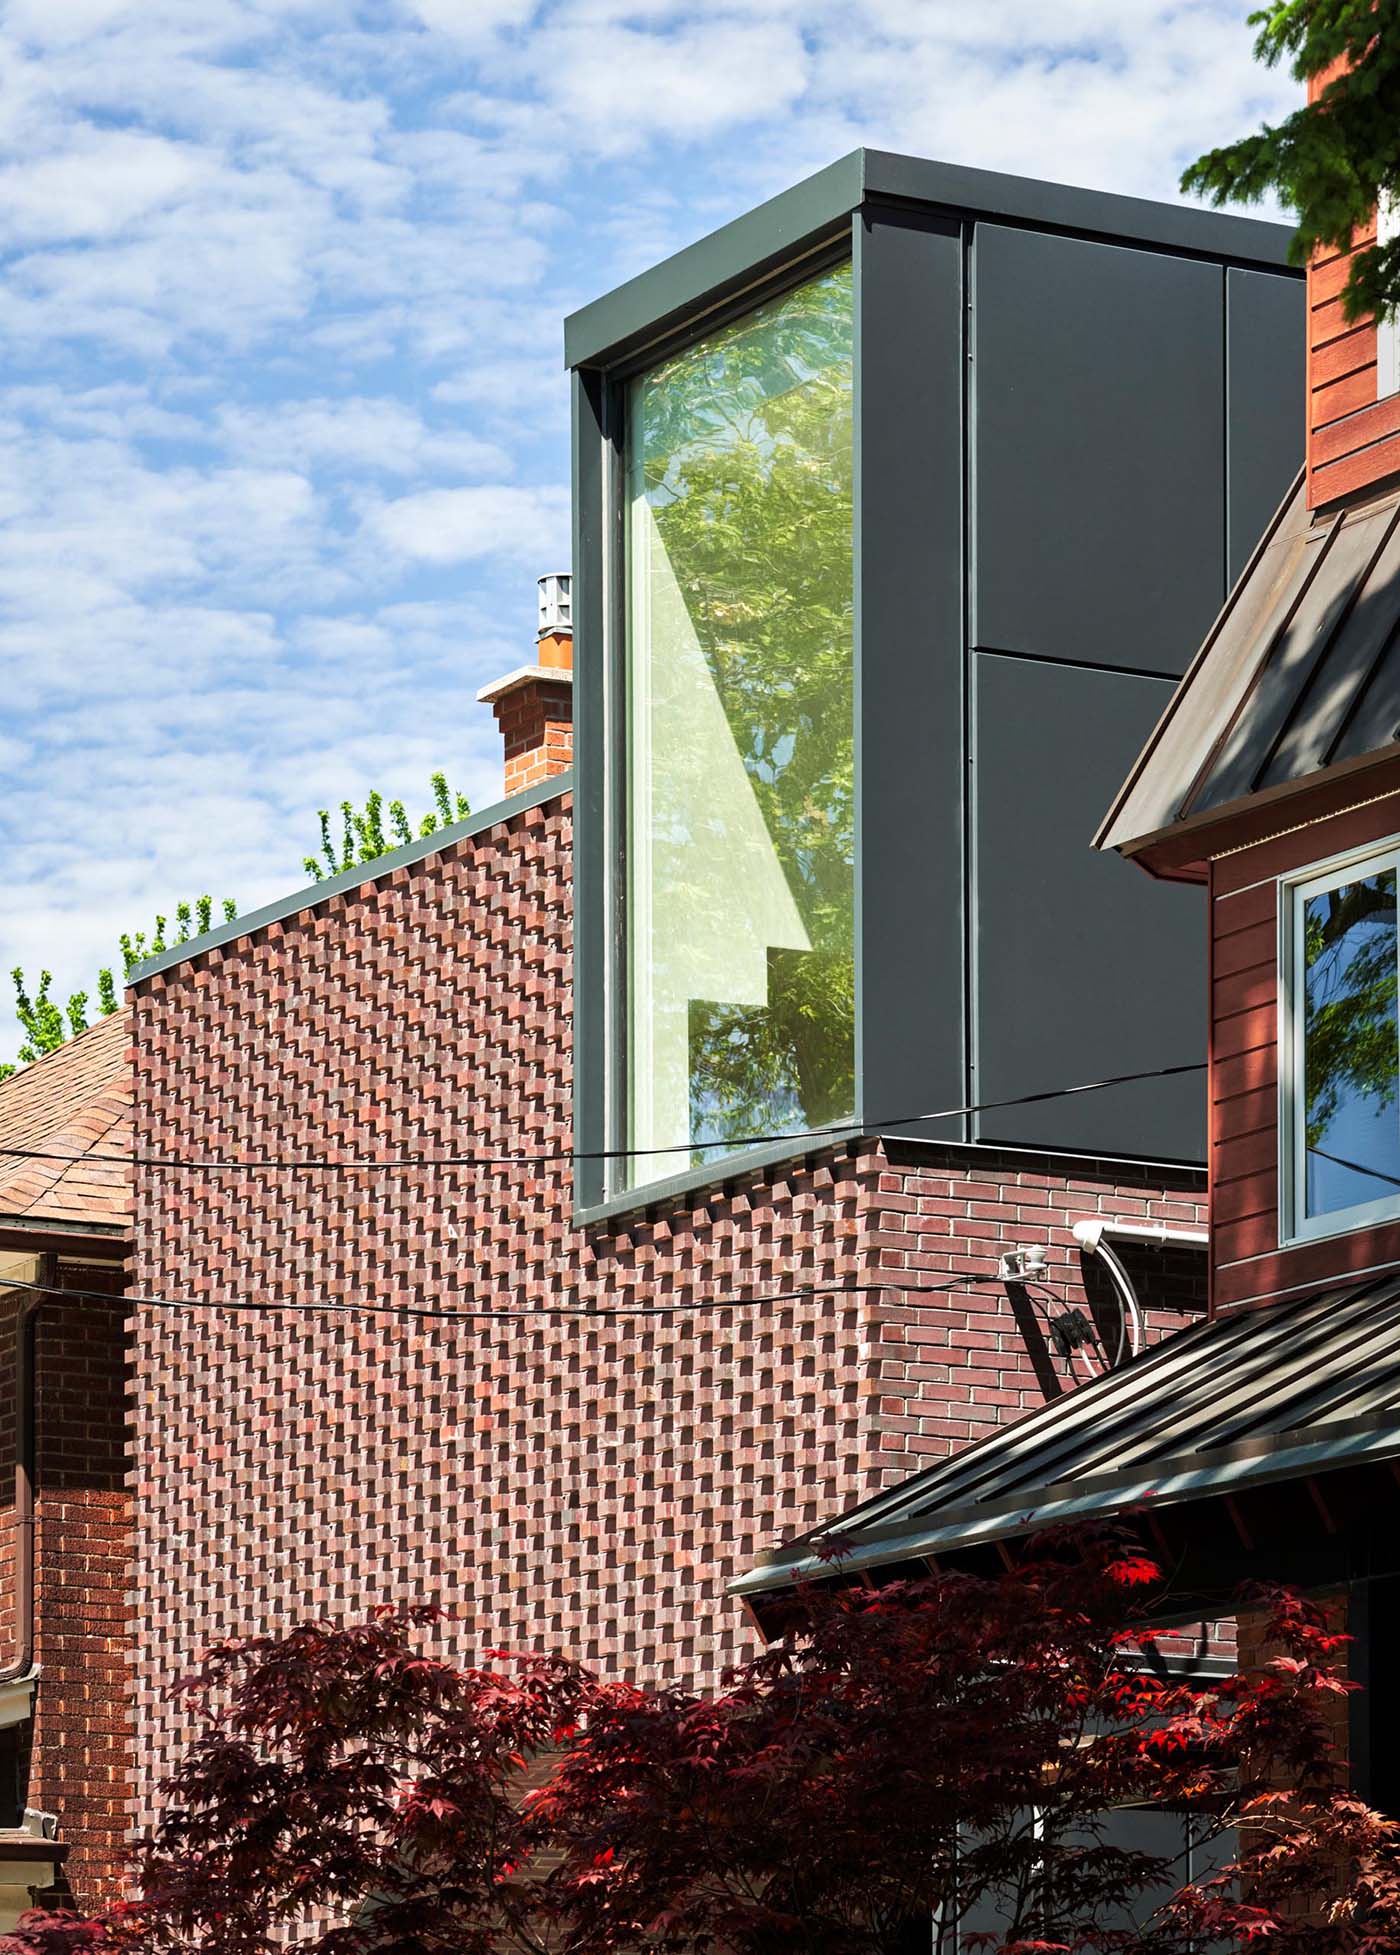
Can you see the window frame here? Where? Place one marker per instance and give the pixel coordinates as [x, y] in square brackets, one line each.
[1294, 890]
[1388, 328]
[622, 1190]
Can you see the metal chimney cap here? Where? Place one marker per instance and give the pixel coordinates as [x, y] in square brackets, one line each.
[556, 604]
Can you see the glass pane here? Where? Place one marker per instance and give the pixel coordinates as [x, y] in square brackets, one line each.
[740, 886]
[1350, 1045]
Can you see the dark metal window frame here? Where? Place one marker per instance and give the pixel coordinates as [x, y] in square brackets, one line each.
[616, 388]
[884, 249]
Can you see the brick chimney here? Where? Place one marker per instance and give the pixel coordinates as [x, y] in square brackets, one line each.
[1353, 379]
[534, 705]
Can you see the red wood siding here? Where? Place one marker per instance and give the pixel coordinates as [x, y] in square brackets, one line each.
[1353, 438]
[1351, 435]
[1247, 1263]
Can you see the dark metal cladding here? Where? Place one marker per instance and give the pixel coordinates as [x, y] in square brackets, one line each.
[1249, 1398]
[1301, 672]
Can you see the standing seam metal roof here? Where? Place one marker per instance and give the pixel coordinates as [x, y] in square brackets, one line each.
[1253, 1396]
[1301, 672]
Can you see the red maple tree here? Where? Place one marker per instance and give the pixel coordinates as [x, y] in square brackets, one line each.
[942, 1759]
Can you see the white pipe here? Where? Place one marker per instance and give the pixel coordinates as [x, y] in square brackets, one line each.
[1089, 1234]
[1127, 1300]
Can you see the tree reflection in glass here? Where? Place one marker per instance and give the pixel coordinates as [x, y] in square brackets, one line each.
[1351, 1044]
[740, 879]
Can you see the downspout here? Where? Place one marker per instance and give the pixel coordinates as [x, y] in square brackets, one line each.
[21, 1669]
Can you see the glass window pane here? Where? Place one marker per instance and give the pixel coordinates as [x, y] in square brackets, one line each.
[740, 879]
[1350, 1045]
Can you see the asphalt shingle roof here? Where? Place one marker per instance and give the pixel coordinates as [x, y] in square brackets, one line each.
[75, 1102]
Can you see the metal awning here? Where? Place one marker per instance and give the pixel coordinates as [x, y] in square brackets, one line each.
[1280, 1392]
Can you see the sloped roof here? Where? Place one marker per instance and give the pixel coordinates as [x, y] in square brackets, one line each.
[1300, 673]
[1259, 1395]
[74, 1102]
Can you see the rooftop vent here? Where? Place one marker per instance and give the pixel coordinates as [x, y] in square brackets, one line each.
[556, 605]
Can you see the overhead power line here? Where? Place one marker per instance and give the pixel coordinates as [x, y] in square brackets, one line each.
[261, 1307]
[819, 1136]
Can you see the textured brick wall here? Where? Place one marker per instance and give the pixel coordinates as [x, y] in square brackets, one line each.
[954, 1368]
[79, 1764]
[584, 1482]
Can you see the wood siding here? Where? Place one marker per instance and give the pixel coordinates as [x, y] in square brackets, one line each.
[1352, 436]
[1246, 1261]
[1350, 433]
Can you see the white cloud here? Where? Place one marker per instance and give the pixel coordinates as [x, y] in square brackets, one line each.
[283, 434]
[354, 434]
[460, 525]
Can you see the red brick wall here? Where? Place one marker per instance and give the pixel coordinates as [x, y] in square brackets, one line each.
[585, 1482]
[1248, 1262]
[79, 1766]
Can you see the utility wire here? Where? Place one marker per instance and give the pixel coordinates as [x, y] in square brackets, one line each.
[1391, 1180]
[253, 1306]
[845, 1130]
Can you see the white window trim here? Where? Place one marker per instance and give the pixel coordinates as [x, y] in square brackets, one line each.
[1293, 892]
[1388, 328]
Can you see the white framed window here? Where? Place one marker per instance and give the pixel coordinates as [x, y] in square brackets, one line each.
[1387, 329]
[1339, 1045]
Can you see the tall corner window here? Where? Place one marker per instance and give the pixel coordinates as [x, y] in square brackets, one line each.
[739, 876]
[1341, 1048]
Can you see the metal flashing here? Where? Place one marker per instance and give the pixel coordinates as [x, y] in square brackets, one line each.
[716, 267]
[712, 1177]
[355, 877]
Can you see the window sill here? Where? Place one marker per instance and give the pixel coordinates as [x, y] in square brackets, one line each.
[713, 1177]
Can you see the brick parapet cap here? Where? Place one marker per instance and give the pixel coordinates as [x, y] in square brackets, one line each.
[525, 675]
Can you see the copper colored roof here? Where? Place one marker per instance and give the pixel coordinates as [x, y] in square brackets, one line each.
[1300, 675]
[75, 1103]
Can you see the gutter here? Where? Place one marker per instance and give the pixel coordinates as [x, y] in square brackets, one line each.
[22, 1668]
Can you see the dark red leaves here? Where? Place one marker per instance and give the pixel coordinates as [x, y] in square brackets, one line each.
[938, 1749]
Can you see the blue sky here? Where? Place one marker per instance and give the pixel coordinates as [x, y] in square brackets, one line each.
[285, 427]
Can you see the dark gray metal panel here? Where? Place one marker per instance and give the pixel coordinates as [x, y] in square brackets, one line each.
[590, 837]
[1265, 317]
[707, 272]
[1084, 966]
[714, 267]
[991, 193]
[1098, 438]
[909, 666]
